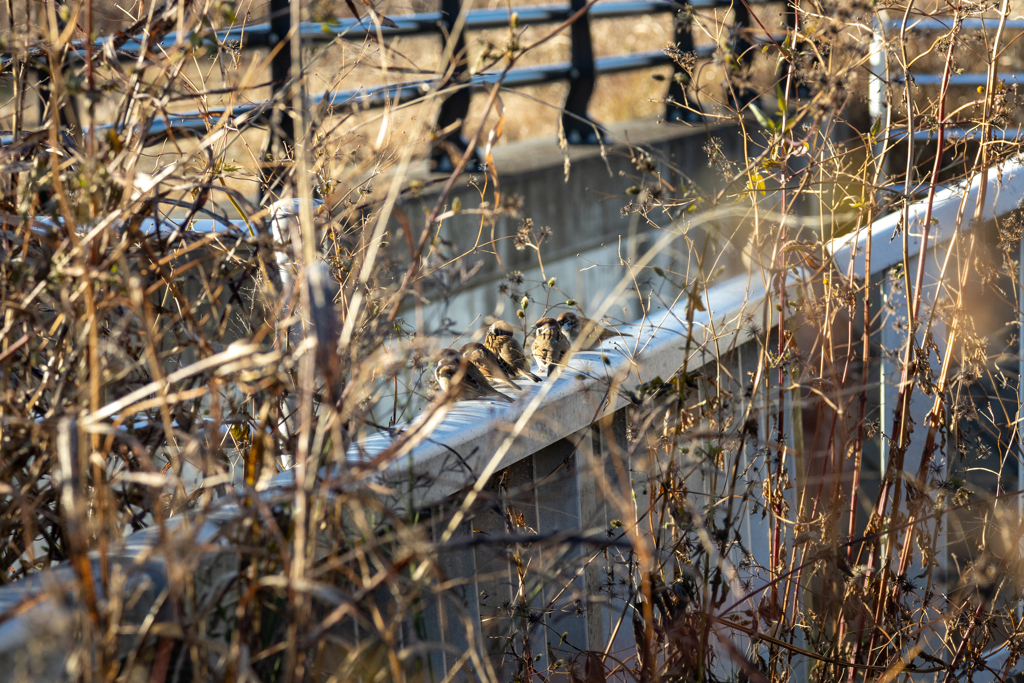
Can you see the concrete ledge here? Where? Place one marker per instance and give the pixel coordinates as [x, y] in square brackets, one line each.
[489, 436]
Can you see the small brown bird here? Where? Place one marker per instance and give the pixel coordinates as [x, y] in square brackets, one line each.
[501, 341]
[574, 325]
[550, 346]
[448, 356]
[464, 382]
[487, 363]
[453, 357]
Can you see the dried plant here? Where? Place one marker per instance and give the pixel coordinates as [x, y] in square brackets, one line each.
[219, 336]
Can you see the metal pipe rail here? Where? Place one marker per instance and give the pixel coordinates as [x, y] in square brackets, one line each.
[422, 23]
[404, 92]
[936, 24]
[964, 80]
[263, 35]
[960, 134]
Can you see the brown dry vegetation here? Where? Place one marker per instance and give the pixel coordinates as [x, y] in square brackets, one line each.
[172, 382]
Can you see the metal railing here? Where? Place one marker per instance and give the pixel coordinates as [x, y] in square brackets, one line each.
[880, 79]
[580, 72]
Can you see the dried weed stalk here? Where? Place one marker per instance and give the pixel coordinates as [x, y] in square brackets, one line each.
[753, 516]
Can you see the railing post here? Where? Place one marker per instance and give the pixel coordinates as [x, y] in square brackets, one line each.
[449, 141]
[741, 50]
[1019, 609]
[64, 122]
[281, 140]
[578, 128]
[284, 216]
[43, 79]
[682, 24]
[878, 74]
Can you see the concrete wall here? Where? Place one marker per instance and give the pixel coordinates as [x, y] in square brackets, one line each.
[583, 208]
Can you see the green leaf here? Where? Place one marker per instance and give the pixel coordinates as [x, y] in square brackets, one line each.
[761, 118]
[787, 47]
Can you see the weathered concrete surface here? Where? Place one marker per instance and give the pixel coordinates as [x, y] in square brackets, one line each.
[591, 234]
[584, 207]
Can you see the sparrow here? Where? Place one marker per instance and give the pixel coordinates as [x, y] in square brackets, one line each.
[462, 380]
[501, 341]
[487, 363]
[550, 346]
[448, 356]
[574, 325]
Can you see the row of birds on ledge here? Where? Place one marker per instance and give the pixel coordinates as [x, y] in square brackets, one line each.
[471, 372]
